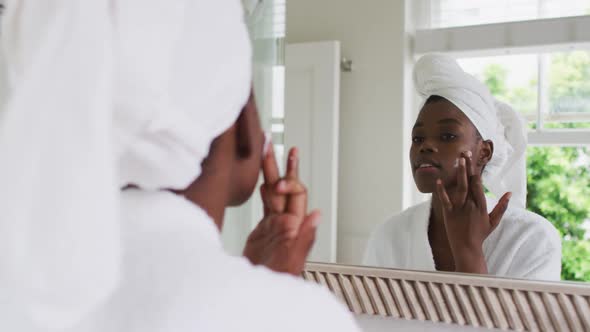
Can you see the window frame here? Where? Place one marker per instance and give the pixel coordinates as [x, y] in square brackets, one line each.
[564, 34]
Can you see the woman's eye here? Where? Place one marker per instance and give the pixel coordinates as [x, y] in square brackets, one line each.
[417, 139]
[448, 137]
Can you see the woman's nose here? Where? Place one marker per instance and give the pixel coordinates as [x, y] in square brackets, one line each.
[428, 147]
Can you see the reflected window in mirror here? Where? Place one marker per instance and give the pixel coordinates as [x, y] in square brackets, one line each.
[455, 13]
[552, 91]
[278, 114]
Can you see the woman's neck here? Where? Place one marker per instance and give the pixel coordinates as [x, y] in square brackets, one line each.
[211, 193]
[438, 240]
[436, 213]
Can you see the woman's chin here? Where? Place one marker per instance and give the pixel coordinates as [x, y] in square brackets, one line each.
[427, 190]
[426, 180]
[426, 187]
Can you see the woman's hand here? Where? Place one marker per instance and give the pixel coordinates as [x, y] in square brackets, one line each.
[466, 217]
[285, 236]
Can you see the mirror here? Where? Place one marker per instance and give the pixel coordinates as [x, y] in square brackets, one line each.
[339, 86]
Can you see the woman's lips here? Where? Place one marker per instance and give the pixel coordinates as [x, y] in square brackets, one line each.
[426, 168]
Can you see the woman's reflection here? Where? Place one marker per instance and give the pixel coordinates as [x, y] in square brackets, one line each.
[464, 140]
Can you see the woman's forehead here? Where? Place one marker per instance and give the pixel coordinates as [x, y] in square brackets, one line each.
[435, 112]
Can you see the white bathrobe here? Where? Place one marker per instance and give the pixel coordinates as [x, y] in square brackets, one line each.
[177, 277]
[525, 245]
[175, 267]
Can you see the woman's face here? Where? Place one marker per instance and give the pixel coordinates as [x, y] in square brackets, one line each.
[250, 142]
[441, 134]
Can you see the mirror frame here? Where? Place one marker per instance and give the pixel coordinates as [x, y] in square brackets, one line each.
[456, 298]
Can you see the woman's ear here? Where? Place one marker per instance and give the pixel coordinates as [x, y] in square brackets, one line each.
[486, 152]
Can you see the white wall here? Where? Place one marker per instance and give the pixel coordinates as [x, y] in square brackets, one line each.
[373, 134]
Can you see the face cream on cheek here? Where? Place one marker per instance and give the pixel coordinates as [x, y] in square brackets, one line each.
[467, 154]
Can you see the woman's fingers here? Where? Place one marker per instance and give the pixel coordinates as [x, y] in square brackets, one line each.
[476, 189]
[442, 195]
[459, 196]
[469, 163]
[270, 169]
[498, 211]
[293, 164]
[288, 186]
[274, 202]
[297, 196]
[478, 192]
[305, 240]
[286, 194]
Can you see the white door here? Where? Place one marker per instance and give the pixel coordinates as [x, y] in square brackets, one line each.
[312, 93]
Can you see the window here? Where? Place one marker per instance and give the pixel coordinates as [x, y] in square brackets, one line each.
[512, 79]
[278, 115]
[267, 24]
[552, 91]
[452, 13]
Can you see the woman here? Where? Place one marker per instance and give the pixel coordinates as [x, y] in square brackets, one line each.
[462, 141]
[124, 136]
